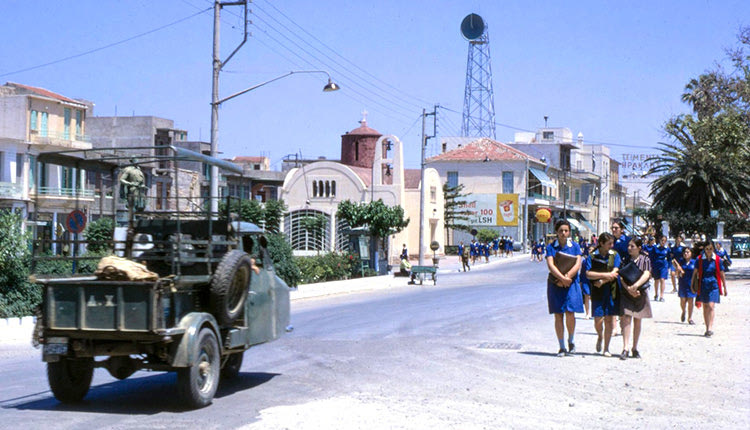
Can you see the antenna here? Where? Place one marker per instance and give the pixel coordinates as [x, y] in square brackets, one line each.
[479, 99]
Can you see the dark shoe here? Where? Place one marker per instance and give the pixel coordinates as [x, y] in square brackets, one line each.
[561, 352]
[571, 348]
[682, 317]
[635, 354]
[599, 344]
[691, 322]
[661, 299]
[656, 297]
[624, 355]
[709, 333]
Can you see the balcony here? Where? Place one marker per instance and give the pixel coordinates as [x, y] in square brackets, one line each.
[61, 140]
[11, 191]
[65, 193]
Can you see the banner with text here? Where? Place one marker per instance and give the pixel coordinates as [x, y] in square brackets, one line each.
[492, 209]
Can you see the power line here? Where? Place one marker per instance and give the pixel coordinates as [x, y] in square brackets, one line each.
[335, 52]
[101, 48]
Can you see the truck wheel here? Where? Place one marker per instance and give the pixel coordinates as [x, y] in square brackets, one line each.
[197, 384]
[70, 379]
[229, 286]
[232, 366]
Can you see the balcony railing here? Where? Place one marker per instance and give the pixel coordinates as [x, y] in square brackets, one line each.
[64, 192]
[67, 140]
[9, 190]
[542, 196]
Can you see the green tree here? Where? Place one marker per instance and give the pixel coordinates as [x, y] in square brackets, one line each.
[486, 235]
[707, 164]
[18, 297]
[273, 212]
[99, 235]
[381, 220]
[454, 214]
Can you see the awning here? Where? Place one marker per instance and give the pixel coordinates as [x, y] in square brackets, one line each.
[574, 222]
[588, 225]
[543, 178]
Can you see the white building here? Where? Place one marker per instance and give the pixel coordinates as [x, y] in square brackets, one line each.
[371, 169]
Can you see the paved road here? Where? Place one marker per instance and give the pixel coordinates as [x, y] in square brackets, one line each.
[475, 351]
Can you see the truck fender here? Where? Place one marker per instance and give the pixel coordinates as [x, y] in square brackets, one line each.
[193, 322]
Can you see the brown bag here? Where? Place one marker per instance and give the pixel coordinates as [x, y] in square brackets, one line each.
[564, 262]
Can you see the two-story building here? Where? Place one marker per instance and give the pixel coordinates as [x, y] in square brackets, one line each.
[503, 185]
[33, 121]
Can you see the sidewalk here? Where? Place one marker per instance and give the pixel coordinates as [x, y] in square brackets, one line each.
[18, 330]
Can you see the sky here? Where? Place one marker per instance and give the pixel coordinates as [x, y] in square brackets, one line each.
[611, 70]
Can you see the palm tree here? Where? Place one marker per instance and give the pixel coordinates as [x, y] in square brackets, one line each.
[694, 176]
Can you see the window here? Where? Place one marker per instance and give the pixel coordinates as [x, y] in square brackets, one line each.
[32, 168]
[579, 164]
[315, 189]
[333, 188]
[79, 124]
[452, 179]
[356, 150]
[44, 131]
[256, 167]
[66, 178]
[33, 121]
[445, 146]
[66, 124]
[605, 199]
[508, 182]
[548, 135]
[578, 196]
[433, 194]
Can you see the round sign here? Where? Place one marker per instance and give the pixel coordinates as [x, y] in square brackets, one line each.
[473, 232]
[76, 221]
[434, 245]
[472, 27]
[543, 215]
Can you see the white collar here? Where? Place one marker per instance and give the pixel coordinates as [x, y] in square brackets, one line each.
[568, 244]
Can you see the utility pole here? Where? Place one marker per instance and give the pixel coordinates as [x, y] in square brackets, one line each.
[422, 185]
[217, 66]
[525, 232]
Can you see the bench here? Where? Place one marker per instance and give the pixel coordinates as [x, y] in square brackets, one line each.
[416, 270]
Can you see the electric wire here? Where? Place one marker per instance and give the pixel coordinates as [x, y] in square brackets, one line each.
[401, 92]
[409, 107]
[110, 45]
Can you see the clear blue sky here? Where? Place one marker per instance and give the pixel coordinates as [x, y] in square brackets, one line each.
[613, 70]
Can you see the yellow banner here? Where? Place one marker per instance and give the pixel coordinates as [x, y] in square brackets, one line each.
[507, 209]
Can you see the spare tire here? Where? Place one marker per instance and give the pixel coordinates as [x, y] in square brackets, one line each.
[229, 286]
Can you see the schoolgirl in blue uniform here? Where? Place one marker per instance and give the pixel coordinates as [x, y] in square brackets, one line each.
[509, 246]
[687, 296]
[496, 245]
[564, 296]
[605, 298]
[486, 252]
[675, 256]
[724, 256]
[621, 240]
[711, 283]
[473, 251]
[658, 255]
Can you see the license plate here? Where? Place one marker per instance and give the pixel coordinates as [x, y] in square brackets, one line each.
[55, 349]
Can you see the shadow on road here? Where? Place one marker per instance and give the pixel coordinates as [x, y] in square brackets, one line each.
[146, 395]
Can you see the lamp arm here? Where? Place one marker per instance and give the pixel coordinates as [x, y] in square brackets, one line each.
[247, 90]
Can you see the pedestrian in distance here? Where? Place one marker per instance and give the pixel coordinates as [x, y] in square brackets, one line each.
[634, 301]
[486, 248]
[621, 239]
[675, 259]
[601, 269]
[465, 255]
[460, 252]
[473, 251]
[724, 256]
[660, 267]
[686, 294]
[563, 289]
[709, 283]
[533, 251]
[404, 253]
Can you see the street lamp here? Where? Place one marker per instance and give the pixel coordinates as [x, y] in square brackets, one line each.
[216, 102]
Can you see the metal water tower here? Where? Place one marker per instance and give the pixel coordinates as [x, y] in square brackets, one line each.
[479, 99]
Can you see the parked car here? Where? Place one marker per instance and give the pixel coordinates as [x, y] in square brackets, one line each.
[740, 245]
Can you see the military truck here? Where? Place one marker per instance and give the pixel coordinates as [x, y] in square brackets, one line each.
[213, 296]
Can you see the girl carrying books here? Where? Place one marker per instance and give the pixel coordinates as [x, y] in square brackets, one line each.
[564, 296]
[634, 302]
[600, 268]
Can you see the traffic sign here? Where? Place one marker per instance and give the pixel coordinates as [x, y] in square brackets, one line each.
[76, 221]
